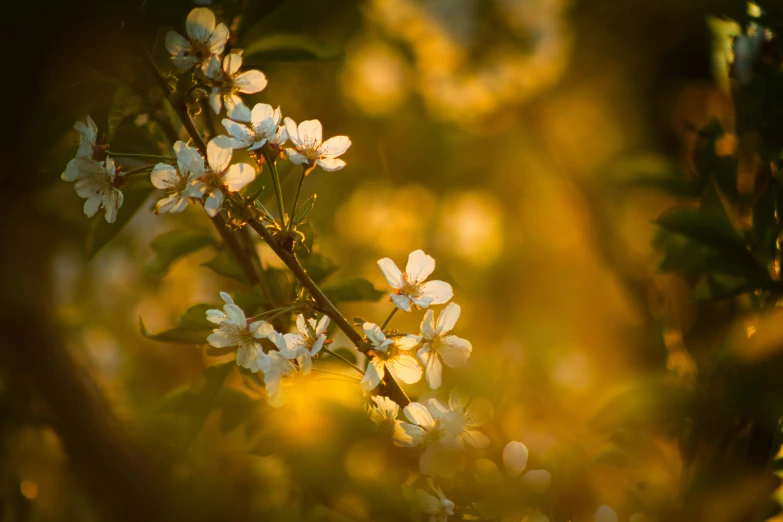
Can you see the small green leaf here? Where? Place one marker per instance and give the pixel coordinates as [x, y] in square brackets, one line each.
[124, 103]
[176, 244]
[236, 408]
[287, 48]
[304, 209]
[718, 286]
[226, 265]
[192, 327]
[102, 232]
[354, 289]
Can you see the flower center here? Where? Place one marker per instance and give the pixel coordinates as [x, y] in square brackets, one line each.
[453, 423]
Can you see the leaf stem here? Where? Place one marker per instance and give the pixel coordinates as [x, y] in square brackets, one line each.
[343, 359]
[394, 311]
[167, 159]
[276, 182]
[338, 374]
[296, 198]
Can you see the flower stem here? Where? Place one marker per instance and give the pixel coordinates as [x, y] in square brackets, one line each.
[383, 326]
[392, 386]
[338, 374]
[167, 159]
[278, 189]
[343, 359]
[139, 170]
[296, 198]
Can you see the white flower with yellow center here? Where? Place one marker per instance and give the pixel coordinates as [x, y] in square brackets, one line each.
[88, 146]
[234, 330]
[220, 173]
[264, 128]
[410, 287]
[383, 411]
[303, 346]
[437, 506]
[392, 355]
[281, 378]
[227, 82]
[438, 348]
[444, 430]
[311, 150]
[204, 39]
[99, 185]
[180, 183]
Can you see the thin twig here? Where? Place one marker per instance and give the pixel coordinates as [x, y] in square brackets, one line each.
[278, 189]
[394, 311]
[296, 198]
[346, 361]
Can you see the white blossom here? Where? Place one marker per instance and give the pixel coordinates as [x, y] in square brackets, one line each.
[384, 410]
[536, 480]
[204, 39]
[437, 506]
[180, 183]
[515, 458]
[264, 128]
[222, 174]
[99, 185]
[410, 287]
[88, 143]
[234, 330]
[227, 82]
[303, 346]
[310, 150]
[443, 430]
[280, 378]
[438, 347]
[391, 354]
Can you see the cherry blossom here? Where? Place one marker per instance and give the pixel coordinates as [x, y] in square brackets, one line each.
[222, 174]
[204, 39]
[438, 347]
[303, 346]
[234, 330]
[180, 183]
[309, 149]
[264, 128]
[99, 185]
[227, 82]
[391, 354]
[437, 506]
[410, 287]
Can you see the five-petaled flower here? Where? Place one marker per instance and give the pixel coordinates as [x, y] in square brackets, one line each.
[409, 287]
[303, 346]
[264, 128]
[309, 148]
[99, 185]
[222, 174]
[438, 348]
[383, 411]
[205, 39]
[443, 430]
[180, 183]
[280, 378]
[227, 82]
[391, 354]
[88, 149]
[234, 330]
[437, 506]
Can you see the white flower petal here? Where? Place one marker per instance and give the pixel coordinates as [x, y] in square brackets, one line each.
[296, 158]
[334, 146]
[232, 62]
[515, 456]
[238, 176]
[216, 100]
[236, 108]
[433, 367]
[419, 266]
[213, 202]
[605, 514]
[260, 113]
[219, 153]
[407, 342]
[200, 23]
[475, 439]
[92, 205]
[408, 435]
[428, 326]
[176, 43]
[402, 302]
[448, 318]
[310, 133]
[479, 412]
[164, 176]
[390, 271]
[214, 71]
[439, 292]
[373, 375]
[330, 164]
[218, 38]
[216, 316]
[239, 132]
[250, 82]
[235, 315]
[538, 481]
[418, 414]
[407, 368]
[222, 338]
[261, 329]
[437, 409]
[293, 132]
[438, 461]
[374, 333]
[455, 351]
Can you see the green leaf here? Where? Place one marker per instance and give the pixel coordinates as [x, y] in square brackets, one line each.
[226, 265]
[354, 289]
[176, 244]
[192, 327]
[704, 228]
[124, 103]
[102, 232]
[287, 48]
[304, 209]
[236, 408]
[195, 403]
